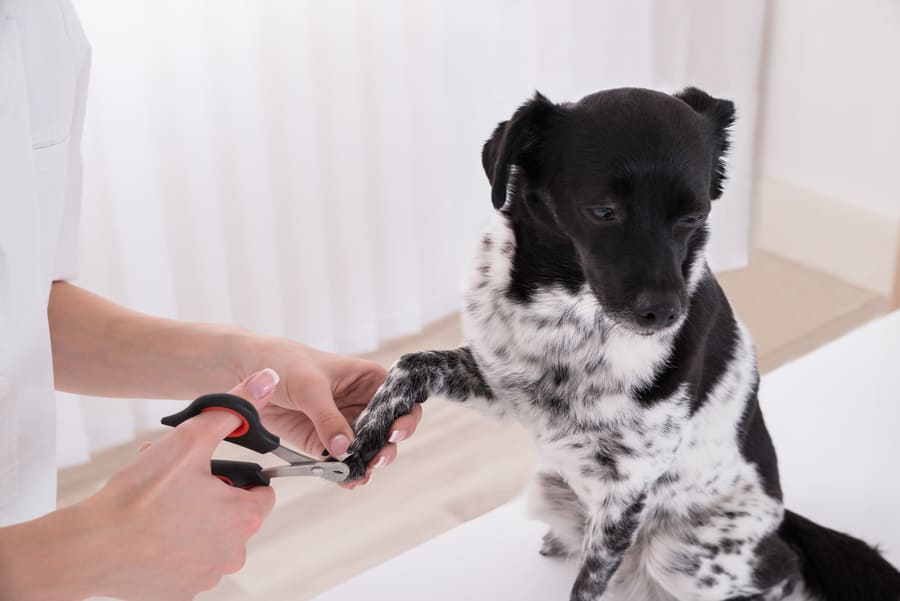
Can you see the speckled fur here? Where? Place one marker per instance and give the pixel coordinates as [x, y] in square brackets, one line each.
[656, 472]
[653, 493]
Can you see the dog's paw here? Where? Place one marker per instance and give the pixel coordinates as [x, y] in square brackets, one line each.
[372, 434]
[358, 465]
[373, 426]
[552, 546]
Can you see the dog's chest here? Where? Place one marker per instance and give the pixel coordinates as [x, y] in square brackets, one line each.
[568, 388]
[557, 350]
[624, 448]
[568, 374]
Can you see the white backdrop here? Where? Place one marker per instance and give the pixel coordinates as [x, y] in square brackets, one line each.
[312, 169]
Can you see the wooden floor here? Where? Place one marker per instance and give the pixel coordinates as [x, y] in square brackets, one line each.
[459, 465]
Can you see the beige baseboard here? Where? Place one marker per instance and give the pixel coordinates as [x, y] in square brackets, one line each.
[827, 234]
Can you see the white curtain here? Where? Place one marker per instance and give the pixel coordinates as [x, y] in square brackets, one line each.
[312, 169]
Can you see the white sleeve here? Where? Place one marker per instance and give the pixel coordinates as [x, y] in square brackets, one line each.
[66, 263]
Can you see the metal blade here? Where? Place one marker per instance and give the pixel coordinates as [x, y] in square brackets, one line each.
[334, 471]
[292, 456]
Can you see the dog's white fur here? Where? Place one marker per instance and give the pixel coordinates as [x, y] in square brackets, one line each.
[712, 476]
[669, 489]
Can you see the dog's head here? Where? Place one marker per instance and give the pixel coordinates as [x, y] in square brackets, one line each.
[623, 180]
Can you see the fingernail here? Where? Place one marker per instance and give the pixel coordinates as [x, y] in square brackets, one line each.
[397, 436]
[262, 383]
[382, 461]
[339, 445]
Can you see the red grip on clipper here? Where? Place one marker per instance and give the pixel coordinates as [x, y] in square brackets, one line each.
[240, 430]
[251, 434]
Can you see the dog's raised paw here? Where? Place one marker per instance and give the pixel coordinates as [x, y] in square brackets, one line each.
[372, 434]
[395, 398]
[369, 441]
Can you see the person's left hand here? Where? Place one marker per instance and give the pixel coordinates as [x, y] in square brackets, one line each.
[319, 396]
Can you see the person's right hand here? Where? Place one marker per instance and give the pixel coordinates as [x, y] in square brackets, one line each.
[175, 529]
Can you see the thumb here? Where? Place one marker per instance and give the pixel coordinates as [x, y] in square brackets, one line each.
[332, 427]
[210, 427]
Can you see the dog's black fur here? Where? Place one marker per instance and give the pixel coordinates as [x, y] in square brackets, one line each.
[593, 319]
[584, 202]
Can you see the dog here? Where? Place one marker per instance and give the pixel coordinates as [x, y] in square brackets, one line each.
[592, 318]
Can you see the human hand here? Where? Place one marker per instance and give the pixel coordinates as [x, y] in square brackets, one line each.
[395, 399]
[320, 395]
[169, 526]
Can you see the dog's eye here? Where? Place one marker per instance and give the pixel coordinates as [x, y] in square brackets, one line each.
[693, 219]
[601, 213]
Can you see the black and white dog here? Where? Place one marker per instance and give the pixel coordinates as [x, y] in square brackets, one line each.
[593, 319]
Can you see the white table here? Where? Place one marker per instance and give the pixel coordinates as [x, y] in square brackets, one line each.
[835, 418]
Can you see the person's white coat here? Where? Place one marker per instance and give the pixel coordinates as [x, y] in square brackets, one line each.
[44, 64]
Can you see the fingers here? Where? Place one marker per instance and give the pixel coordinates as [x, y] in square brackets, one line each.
[401, 429]
[254, 507]
[405, 426]
[384, 457]
[258, 388]
[330, 424]
[264, 497]
[352, 485]
[209, 428]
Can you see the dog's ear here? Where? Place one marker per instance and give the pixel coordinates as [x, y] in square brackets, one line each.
[720, 114]
[517, 142]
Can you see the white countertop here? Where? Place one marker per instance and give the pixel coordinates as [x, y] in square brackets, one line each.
[835, 418]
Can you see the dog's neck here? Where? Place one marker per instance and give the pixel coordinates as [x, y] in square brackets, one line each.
[548, 316]
[556, 325]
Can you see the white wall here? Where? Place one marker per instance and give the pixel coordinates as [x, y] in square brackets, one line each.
[830, 145]
[313, 169]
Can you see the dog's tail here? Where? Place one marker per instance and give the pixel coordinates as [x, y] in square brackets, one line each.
[838, 567]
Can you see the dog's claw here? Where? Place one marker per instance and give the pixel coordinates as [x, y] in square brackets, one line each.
[357, 467]
[372, 432]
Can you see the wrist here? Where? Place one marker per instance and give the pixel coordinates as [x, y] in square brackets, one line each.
[220, 356]
[242, 350]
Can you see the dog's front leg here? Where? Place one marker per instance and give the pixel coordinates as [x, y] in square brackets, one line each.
[611, 530]
[414, 378]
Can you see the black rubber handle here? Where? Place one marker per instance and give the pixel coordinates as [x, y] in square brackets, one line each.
[240, 474]
[250, 434]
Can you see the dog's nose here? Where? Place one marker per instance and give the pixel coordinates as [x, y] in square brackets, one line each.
[657, 311]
